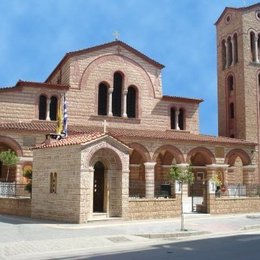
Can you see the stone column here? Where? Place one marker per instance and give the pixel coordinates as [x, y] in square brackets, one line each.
[149, 179]
[48, 109]
[110, 92]
[125, 193]
[256, 49]
[90, 198]
[177, 112]
[227, 54]
[124, 103]
[249, 174]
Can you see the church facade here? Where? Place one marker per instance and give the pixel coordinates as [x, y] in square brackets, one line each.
[124, 134]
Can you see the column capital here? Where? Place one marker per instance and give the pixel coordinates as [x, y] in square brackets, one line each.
[110, 90]
[215, 166]
[249, 168]
[149, 165]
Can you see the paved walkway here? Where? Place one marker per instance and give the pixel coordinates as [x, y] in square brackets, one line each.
[24, 238]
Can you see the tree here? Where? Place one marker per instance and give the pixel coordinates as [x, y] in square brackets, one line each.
[28, 174]
[9, 159]
[183, 175]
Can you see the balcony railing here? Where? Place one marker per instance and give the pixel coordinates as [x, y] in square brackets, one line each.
[13, 189]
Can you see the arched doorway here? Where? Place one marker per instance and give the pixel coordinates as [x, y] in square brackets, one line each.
[99, 187]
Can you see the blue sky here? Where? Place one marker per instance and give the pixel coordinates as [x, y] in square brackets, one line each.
[180, 34]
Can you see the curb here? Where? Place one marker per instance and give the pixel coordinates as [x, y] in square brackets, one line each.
[175, 234]
[249, 227]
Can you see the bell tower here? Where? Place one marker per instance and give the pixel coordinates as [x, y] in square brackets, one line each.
[238, 64]
[238, 58]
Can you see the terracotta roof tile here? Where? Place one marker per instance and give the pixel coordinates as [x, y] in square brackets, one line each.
[22, 83]
[182, 99]
[71, 140]
[119, 133]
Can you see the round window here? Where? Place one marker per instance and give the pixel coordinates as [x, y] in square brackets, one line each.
[257, 14]
[228, 18]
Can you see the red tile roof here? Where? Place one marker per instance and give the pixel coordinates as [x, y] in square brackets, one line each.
[71, 140]
[103, 46]
[21, 83]
[119, 133]
[182, 99]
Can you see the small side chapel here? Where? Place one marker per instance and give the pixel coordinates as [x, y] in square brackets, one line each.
[121, 139]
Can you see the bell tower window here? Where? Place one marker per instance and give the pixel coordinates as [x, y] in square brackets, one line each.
[102, 99]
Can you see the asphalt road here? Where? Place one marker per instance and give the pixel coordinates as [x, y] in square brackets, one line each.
[239, 247]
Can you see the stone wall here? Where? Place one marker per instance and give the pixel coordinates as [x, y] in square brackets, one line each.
[15, 206]
[233, 205]
[154, 208]
[64, 203]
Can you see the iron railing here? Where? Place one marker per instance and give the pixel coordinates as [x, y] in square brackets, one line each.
[238, 190]
[13, 189]
[161, 189]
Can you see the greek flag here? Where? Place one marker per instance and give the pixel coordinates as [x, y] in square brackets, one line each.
[65, 117]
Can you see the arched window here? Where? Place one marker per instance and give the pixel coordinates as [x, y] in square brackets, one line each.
[53, 108]
[252, 45]
[173, 122]
[53, 182]
[102, 99]
[42, 107]
[230, 84]
[181, 119]
[223, 55]
[258, 47]
[131, 102]
[232, 110]
[117, 94]
[235, 48]
[230, 58]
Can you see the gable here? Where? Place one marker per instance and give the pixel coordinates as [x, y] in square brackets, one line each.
[118, 44]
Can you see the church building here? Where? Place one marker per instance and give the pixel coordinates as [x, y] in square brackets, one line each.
[121, 135]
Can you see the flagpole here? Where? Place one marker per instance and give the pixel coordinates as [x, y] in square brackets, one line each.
[65, 116]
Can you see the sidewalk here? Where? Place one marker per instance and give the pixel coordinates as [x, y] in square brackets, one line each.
[24, 238]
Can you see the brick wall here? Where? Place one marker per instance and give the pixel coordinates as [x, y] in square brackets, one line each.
[15, 206]
[154, 208]
[232, 205]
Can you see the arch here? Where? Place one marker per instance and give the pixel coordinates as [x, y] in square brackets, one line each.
[181, 119]
[131, 108]
[141, 150]
[234, 153]
[12, 144]
[230, 51]
[223, 52]
[42, 107]
[173, 118]
[232, 110]
[108, 157]
[102, 98]
[112, 57]
[252, 45]
[177, 154]
[53, 108]
[117, 93]
[230, 83]
[235, 48]
[202, 152]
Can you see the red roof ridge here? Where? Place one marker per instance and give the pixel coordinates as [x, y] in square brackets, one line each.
[44, 84]
[102, 46]
[196, 100]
